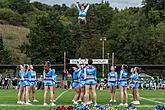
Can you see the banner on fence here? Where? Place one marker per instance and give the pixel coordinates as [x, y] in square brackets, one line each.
[85, 61]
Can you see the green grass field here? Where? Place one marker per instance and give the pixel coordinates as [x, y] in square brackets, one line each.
[149, 98]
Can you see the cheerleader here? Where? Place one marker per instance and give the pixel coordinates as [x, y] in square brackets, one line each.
[26, 83]
[48, 74]
[75, 83]
[54, 82]
[82, 82]
[20, 85]
[90, 80]
[112, 80]
[33, 83]
[82, 11]
[123, 85]
[131, 83]
[136, 86]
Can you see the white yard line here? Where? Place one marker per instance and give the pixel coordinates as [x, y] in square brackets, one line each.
[145, 106]
[15, 105]
[150, 100]
[157, 99]
[61, 94]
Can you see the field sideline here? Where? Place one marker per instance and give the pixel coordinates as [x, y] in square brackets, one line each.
[149, 98]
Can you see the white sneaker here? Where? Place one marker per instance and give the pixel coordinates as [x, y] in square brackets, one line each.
[90, 102]
[133, 102]
[126, 105]
[20, 102]
[35, 101]
[54, 100]
[136, 102]
[110, 100]
[114, 100]
[27, 103]
[95, 104]
[45, 104]
[84, 104]
[121, 104]
[53, 104]
[79, 100]
[75, 102]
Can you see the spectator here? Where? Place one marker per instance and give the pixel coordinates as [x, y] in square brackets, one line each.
[40, 83]
[61, 84]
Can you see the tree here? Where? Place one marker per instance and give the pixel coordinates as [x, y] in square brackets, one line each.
[20, 6]
[4, 4]
[5, 57]
[148, 4]
[41, 7]
[46, 39]
[154, 16]
[133, 40]
[11, 17]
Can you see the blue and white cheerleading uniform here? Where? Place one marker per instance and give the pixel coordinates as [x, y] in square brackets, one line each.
[33, 78]
[134, 81]
[123, 75]
[82, 13]
[54, 78]
[90, 76]
[112, 78]
[49, 77]
[82, 77]
[20, 76]
[27, 78]
[131, 81]
[76, 78]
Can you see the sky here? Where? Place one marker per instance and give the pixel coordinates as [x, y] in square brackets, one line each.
[121, 4]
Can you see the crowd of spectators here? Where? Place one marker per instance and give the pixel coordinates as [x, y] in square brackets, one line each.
[11, 82]
[149, 84]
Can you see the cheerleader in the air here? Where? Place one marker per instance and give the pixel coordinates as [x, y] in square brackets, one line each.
[82, 10]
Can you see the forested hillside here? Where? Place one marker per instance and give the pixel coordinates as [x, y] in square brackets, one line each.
[13, 38]
[136, 35]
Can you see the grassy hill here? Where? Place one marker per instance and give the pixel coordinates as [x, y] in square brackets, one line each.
[13, 38]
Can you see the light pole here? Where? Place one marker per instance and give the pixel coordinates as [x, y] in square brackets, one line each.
[103, 39]
[108, 61]
[64, 61]
[65, 71]
[113, 59]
